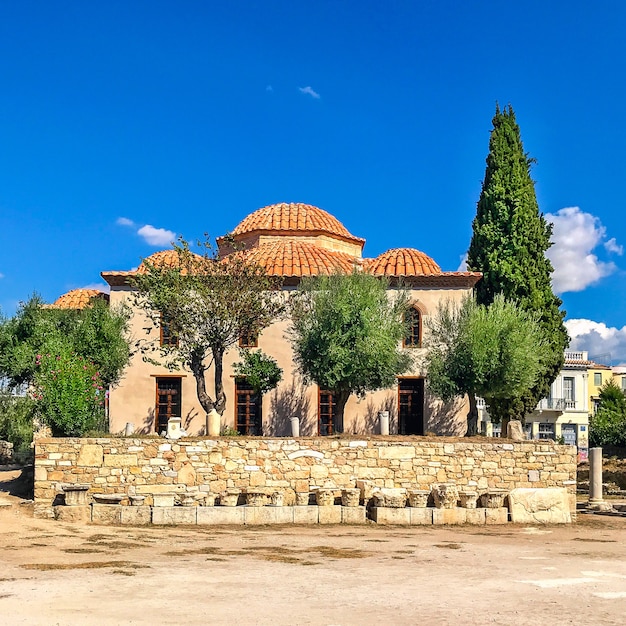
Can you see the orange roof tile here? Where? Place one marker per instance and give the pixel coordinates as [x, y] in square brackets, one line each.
[402, 262]
[292, 217]
[78, 298]
[292, 258]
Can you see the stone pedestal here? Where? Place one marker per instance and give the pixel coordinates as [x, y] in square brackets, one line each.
[475, 517]
[329, 515]
[449, 516]
[295, 426]
[353, 515]
[383, 422]
[214, 422]
[75, 495]
[106, 513]
[421, 517]
[220, 515]
[173, 515]
[257, 515]
[596, 498]
[390, 516]
[540, 506]
[163, 499]
[135, 515]
[77, 513]
[497, 516]
[305, 514]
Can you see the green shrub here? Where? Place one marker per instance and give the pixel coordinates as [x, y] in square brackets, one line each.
[16, 425]
[68, 394]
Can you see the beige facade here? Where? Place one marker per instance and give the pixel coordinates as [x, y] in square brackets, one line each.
[291, 241]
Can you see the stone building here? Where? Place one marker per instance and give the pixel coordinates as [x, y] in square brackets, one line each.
[292, 241]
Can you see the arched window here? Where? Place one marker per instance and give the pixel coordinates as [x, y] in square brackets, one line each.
[413, 321]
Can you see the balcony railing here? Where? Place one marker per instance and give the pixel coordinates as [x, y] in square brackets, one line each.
[552, 404]
[575, 356]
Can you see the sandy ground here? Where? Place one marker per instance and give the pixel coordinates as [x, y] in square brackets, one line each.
[58, 573]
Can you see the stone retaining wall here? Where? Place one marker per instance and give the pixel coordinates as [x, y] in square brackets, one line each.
[147, 466]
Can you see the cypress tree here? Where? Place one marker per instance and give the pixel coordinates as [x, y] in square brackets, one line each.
[509, 241]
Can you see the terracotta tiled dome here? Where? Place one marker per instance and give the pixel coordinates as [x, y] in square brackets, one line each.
[290, 218]
[402, 262]
[78, 298]
[162, 259]
[291, 258]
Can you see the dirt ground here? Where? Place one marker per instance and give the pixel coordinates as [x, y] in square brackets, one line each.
[58, 573]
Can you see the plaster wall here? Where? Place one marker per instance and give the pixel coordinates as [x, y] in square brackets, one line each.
[133, 399]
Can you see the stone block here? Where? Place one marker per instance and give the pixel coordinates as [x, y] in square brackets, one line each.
[329, 514]
[106, 513]
[421, 517]
[397, 452]
[120, 460]
[496, 516]
[172, 515]
[475, 517]
[449, 516]
[146, 490]
[305, 515]
[268, 515]
[387, 516]
[187, 475]
[540, 506]
[72, 513]
[353, 515]
[135, 515]
[217, 515]
[90, 455]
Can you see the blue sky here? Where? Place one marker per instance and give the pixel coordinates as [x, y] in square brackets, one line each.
[184, 117]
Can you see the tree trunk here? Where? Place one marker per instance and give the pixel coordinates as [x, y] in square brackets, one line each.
[197, 368]
[472, 417]
[342, 400]
[505, 426]
[220, 396]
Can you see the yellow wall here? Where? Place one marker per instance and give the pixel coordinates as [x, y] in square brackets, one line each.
[594, 390]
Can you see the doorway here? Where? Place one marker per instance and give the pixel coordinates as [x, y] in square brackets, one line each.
[168, 401]
[410, 406]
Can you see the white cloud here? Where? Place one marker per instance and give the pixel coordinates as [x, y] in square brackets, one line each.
[598, 339]
[576, 235]
[463, 265]
[309, 91]
[99, 286]
[156, 236]
[1, 275]
[612, 246]
[124, 221]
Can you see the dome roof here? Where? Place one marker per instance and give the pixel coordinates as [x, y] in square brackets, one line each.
[290, 218]
[163, 259]
[290, 258]
[402, 262]
[78, 298]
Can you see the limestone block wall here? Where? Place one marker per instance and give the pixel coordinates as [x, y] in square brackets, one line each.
[154, 465]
